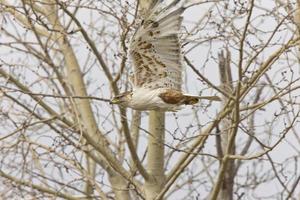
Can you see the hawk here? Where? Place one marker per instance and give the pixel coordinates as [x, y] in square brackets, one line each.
[155, 50]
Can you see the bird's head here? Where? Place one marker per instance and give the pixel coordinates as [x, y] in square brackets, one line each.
[122, 99]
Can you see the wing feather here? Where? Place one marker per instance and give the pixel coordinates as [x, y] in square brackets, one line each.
[155, 49]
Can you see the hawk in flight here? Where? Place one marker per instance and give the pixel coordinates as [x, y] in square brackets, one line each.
[155, 50]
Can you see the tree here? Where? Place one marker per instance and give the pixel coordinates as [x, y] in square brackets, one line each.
[61, 62]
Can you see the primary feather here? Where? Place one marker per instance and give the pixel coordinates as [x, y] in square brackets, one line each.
[156, 51]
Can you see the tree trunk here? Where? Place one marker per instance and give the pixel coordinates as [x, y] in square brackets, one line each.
[84, 110]
[155, 156]
[226, 189]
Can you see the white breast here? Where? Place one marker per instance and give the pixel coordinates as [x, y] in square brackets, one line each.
[148, 99]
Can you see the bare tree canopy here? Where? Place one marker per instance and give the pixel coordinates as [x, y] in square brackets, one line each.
[62, 61]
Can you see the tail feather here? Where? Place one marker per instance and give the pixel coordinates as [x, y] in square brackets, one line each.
[191, 100]
[211, 98]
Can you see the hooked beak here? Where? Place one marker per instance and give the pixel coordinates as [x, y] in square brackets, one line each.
[114, 101]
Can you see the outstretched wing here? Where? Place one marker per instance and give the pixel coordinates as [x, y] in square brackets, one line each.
[155, 49]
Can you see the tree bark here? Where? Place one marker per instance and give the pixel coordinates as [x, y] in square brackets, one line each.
[226, 189]
[155, 156]
[83, 109]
